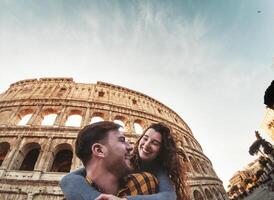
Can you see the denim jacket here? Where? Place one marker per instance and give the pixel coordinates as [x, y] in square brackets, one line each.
[75, 187]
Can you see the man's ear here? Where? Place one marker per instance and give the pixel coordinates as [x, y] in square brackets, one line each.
[98, 150]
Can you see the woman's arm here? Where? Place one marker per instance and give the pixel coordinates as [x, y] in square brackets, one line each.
[75, 186]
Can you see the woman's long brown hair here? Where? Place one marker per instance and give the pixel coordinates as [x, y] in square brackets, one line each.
[168, 159]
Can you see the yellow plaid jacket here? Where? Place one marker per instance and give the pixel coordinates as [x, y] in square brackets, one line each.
[142, 183]
[139, 184]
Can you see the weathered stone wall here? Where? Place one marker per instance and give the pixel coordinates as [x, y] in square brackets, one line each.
[20, 143]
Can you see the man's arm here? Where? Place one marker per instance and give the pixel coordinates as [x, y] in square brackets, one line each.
[75, 186]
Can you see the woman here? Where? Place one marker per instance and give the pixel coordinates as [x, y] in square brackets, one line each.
[154, 152]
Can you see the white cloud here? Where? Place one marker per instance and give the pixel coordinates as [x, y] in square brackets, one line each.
[152, 51]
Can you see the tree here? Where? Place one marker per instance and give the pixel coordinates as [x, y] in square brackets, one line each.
[234, 189]
[248, 181]
[269, 95]
[259, 173]
[260, 142]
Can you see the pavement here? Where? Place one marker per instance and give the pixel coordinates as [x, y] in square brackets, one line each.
[261, 193]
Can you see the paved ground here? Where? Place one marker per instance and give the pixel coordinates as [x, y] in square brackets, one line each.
[261, 193]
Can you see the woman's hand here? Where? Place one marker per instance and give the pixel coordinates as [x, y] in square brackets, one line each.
[109, 197]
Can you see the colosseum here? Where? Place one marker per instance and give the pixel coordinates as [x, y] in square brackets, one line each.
[39, 122]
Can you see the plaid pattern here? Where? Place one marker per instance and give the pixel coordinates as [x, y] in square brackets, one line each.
[135, 184]
[139, 184]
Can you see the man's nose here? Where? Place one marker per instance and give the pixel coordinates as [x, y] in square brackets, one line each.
[129, 146]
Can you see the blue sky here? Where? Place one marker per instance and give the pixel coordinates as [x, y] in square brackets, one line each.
[210, 61]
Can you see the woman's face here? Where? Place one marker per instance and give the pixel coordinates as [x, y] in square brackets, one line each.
[149, 145]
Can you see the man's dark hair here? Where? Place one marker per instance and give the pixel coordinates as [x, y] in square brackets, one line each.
[91, 134]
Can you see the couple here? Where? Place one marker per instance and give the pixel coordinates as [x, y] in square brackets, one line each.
[116, 171]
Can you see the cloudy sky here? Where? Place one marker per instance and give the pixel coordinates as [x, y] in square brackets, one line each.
[209, 60]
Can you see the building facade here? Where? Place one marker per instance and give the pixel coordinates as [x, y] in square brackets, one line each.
[38, 131]
[267, 124]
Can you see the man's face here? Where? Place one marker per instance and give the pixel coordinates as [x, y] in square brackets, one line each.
[118, 153]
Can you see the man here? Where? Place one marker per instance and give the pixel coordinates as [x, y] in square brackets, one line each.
[106, 157]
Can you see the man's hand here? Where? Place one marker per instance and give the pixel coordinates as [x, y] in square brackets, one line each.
[109, 197]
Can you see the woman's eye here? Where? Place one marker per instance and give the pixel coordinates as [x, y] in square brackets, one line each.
[145, 139]
[156, 143]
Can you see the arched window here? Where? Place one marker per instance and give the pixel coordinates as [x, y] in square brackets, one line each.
[138, 127]
[205, 167]
[25, 119]
[193, 144]
[208, 194]
[62, 161]
[197, 195]
[4, 116]
[30, 159]
[187, 141]
[202, 166]
[121, 123]
[194, 164]
[96, 119]
[4, 148]
[216, 193]
[74, 119]
[49, 120]
[24, 116]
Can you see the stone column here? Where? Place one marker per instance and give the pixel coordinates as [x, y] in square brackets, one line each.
[40, 163]
[110, 116]
[202, 192]
[76, 163]
[46, 156]
[86, 117]
[60, 119]
[9, 156]
[35, 117]
[14, 154]
[11, 118]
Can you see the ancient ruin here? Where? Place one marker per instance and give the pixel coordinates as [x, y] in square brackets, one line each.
[38, 131]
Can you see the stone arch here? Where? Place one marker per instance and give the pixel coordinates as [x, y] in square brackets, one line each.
[97, 117]
[221, 192]
[202, 167]
[205, 166]
[194, 164]
[197, 195]
[188, 142]
[216, 194]
[4, 149]
[121, 120]
[62, 160]
[208, 194]
[193, 144]
[182, 154]
[138, 126]
[4, 116]
[183, 157]
[49, 116]
[62, 90]
[74, 118]
[180, 143]
[27, 157]
[24, 116]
